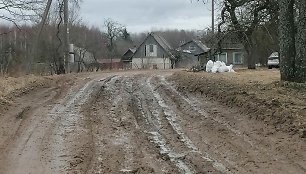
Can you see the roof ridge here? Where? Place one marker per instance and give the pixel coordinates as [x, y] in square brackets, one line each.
[161, 39]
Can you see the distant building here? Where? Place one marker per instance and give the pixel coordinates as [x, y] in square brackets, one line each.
[232, 53]
[127, 58]
[192, 53]
[195, 47]
[229, 50]
[153, 53]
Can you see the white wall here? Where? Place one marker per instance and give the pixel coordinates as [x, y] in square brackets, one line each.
[148, 63]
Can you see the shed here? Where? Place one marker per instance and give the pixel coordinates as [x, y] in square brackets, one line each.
[127, 58]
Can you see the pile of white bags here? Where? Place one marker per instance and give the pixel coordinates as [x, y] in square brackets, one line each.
[218, 66]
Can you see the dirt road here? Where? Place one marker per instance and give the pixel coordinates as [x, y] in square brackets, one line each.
[137, 122]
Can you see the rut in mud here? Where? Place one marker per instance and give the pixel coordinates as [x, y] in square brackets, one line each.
[139, 123]
[144, 124]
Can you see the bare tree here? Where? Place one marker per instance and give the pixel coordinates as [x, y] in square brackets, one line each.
[114, 30]
[244, 17]
[19, 10]
[59, 17]
[16, 12]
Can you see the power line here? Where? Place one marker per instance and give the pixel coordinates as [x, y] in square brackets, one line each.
[213, 16]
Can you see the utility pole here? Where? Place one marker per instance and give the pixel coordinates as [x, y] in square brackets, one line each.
[41, 27]
[66, 36]
[213, 16]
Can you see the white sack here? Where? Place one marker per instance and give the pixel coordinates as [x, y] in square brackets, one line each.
[214, 69]
[223, 69]
[230, 68]
[209, 66]
[218, 66]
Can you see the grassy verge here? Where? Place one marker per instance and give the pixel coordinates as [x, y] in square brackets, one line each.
[12, 87]
[257, 93]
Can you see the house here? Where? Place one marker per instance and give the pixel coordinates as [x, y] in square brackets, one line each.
[127, 58]
[153, 53]
[232, 53]
[192, 53]
[229, 50]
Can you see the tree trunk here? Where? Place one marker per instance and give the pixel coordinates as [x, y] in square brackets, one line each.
[287, 40]
[300, 62]
[251, 60]
[250, 54]
[61, 67]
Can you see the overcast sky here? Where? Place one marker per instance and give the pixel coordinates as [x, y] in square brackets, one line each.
[147, 15]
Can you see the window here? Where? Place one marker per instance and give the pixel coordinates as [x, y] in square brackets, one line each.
[222, 57]
[151, 48]
[192, 48]
[237, 58]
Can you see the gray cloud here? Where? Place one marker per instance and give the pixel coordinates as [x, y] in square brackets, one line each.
[145, 15]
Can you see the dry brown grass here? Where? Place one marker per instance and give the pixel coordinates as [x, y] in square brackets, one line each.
[245, 76]
[256, 92]
[10, 84]
[12, 87]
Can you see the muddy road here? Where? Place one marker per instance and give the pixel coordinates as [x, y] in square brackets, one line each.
[137, 122]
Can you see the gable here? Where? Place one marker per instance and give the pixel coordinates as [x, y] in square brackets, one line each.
[190, 45]
[153, 46]
[194, 47]
[127, 56]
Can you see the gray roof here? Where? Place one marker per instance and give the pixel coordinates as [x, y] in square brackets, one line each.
[163, 43]
[133, 50]
[127, 56]
[200, 44]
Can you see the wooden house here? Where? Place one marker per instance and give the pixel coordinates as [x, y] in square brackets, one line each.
[192, 53]
[153, 53]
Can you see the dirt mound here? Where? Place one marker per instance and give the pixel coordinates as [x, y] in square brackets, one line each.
[12, 87]
[257, 93]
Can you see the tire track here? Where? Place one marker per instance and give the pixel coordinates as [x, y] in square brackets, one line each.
[67, 143]
[262, 154]
[123, 146]
[172, 118]
[158, 138]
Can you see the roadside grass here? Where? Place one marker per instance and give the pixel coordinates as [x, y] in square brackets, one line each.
[259, 93]
[10, 84]
[12, 87]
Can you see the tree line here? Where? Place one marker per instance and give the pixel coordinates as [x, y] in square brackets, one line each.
[16, 43]
[258, 24]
